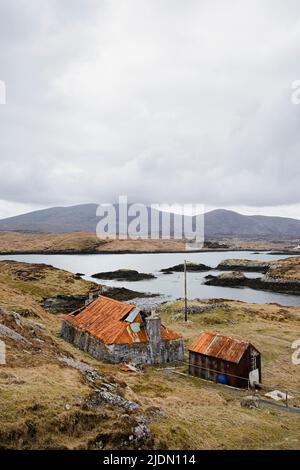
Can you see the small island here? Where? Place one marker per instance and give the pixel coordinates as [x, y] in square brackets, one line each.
[190, 267]
[124, 275]
[283, 276]
[244, 265]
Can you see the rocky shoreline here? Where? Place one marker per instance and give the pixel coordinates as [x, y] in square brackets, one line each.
[69, 303]
[238, 279]
[244, 265]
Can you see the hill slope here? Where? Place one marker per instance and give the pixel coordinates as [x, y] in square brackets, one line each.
[222, 222]
[218, 223]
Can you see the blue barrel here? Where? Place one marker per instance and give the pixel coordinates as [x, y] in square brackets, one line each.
[222, 379]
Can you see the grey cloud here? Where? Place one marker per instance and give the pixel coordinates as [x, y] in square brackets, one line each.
[163, 101]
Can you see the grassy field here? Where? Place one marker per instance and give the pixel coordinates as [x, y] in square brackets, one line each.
[202, 415]
[43, 400]
[83, 242]
[86, 242]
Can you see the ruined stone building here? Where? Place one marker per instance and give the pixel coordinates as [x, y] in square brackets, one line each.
[115, 331]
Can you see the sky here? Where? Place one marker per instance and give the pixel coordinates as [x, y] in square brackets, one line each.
[165, 101]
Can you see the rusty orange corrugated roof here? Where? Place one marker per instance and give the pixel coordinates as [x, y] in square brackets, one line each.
[219, 346]
[168, 335]
[104, 319]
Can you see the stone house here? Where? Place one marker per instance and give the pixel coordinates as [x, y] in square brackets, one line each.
[117, 332]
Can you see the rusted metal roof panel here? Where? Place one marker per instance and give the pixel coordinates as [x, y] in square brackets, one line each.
[219, 346]
[168, 335]
[106, 320]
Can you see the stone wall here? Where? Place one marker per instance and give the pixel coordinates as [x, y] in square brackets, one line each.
[139, 353]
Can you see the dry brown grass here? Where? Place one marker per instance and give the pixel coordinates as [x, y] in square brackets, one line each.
[87, 242]
[286, 269]
[24, 285]
[47, 242]
[84, 242]
[202, 415]
[35, 387]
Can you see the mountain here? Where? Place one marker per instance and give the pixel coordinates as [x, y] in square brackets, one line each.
[218, 223]
[221, 222]
[80, 218]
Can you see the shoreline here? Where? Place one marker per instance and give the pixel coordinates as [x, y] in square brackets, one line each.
[127, 252]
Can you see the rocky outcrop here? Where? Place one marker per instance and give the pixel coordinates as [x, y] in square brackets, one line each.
[124, 275]
[238, 279]
[64, 303]
[190, 267]
[230, 279]
[69, 303]
[244, 265]
[123, 294]
[6, 332]
[103, 396]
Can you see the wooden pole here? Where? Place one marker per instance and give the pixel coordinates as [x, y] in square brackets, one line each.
[185, 293]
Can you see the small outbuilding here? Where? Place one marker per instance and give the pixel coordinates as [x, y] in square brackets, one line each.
[226, 360]
[117, 332]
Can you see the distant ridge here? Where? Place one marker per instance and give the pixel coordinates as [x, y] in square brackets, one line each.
[218, 223]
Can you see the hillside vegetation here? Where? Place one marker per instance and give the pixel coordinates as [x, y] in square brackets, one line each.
[88, 242]
[286, 269]
[78, 242]
[53, 395]
[218, 223]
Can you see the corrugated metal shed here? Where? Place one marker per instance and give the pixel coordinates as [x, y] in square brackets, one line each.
[107, 320]
[219, 346]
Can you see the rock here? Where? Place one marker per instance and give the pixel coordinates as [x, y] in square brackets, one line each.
[141, 432]
[267, 283]
[124, 275]
[87, 370]
[64, 303]
[18, 322]
[67, 406]
[109, 387]
[6, 332]
[244, 265]
[229, 279]
[38, 325]
[250, 402]
[190, 267]
[103, 396]
[123, 294]
[99, 444]
[232, 275]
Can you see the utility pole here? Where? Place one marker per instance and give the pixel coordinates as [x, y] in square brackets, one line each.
[185, 293]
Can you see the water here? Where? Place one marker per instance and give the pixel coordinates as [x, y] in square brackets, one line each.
[169, 286]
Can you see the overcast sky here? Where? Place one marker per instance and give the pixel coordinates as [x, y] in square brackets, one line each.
[166, 101]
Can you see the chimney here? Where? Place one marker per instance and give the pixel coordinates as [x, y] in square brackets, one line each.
[90, 298]
[153, 331]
